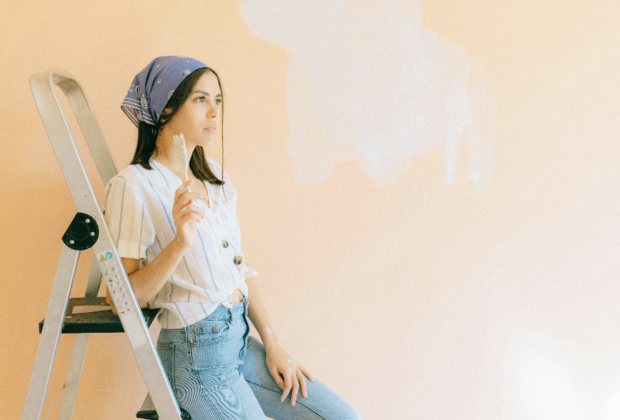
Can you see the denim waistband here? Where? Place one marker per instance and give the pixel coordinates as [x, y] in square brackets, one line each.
[221, 313]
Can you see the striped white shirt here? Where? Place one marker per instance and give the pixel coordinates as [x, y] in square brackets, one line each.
[138, 213]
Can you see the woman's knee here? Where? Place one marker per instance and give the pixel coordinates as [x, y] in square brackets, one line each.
[260, 379]
[349, 413]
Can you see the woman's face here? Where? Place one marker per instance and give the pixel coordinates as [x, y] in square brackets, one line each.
[200, 117]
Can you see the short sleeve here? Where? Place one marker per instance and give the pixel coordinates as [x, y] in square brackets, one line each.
[127, 218]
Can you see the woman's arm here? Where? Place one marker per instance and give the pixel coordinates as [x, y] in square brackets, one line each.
[288, 374]
[148, 281]
[258, 316]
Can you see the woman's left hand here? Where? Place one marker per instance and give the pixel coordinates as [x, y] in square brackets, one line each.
[280, 363]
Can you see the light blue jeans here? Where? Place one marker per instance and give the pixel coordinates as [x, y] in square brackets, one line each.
[218, 372]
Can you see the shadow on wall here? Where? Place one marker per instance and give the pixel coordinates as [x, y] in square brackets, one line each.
[366, 82]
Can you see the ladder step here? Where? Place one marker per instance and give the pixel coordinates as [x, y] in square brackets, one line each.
[95, 322]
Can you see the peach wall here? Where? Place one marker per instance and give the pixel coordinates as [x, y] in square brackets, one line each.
[413, 300]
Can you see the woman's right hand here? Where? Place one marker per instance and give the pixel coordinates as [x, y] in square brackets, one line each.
[185, 214]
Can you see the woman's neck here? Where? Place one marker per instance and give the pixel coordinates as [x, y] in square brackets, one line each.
[167, 155]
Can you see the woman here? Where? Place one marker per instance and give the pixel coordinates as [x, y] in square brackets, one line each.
[180, 245]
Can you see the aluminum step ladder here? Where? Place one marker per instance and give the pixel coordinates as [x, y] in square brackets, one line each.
[88, 229]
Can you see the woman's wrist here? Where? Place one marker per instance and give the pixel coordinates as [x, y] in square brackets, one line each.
[178, 246]
[270, 342]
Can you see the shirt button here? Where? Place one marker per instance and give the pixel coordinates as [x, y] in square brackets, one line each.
[237, 260]
[224, 243]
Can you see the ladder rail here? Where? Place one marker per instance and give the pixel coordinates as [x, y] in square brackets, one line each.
[110, 264]
[78, 355]
[74, 375]
[50, 336]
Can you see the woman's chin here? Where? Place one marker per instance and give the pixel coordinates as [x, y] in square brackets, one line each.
[207, 142]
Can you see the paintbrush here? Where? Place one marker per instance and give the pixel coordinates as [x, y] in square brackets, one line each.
[181, 154]
[181, 159]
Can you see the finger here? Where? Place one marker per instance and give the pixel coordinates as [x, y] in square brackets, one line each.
[302, 381]
[288, 384]
[306, 372]
[194, 220]
[180, 215]
[198, 218]
[197, 210]
[183, 220]
[184, 185]
[183, 188]
[191, 217]
[184, 194]
[189, 197]
[192, 209]
[295, 386]
[276, 377]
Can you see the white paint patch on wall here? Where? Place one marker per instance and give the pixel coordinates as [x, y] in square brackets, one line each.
[613, 408]
[367, 82]
[543, 385]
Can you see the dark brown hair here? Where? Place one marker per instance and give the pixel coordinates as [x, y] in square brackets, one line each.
[147, 134]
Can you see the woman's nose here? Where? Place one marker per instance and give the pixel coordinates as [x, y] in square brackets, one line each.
[212, 112]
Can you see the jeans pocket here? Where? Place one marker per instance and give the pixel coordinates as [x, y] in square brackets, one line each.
[166, 355]
[211, 332]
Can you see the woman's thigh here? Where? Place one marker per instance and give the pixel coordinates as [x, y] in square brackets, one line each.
[321, 403]
[202, 365]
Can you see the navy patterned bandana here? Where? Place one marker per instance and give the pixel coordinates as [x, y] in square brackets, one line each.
[152, 88]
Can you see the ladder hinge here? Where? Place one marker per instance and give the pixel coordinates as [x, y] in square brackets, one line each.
[82, 233]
